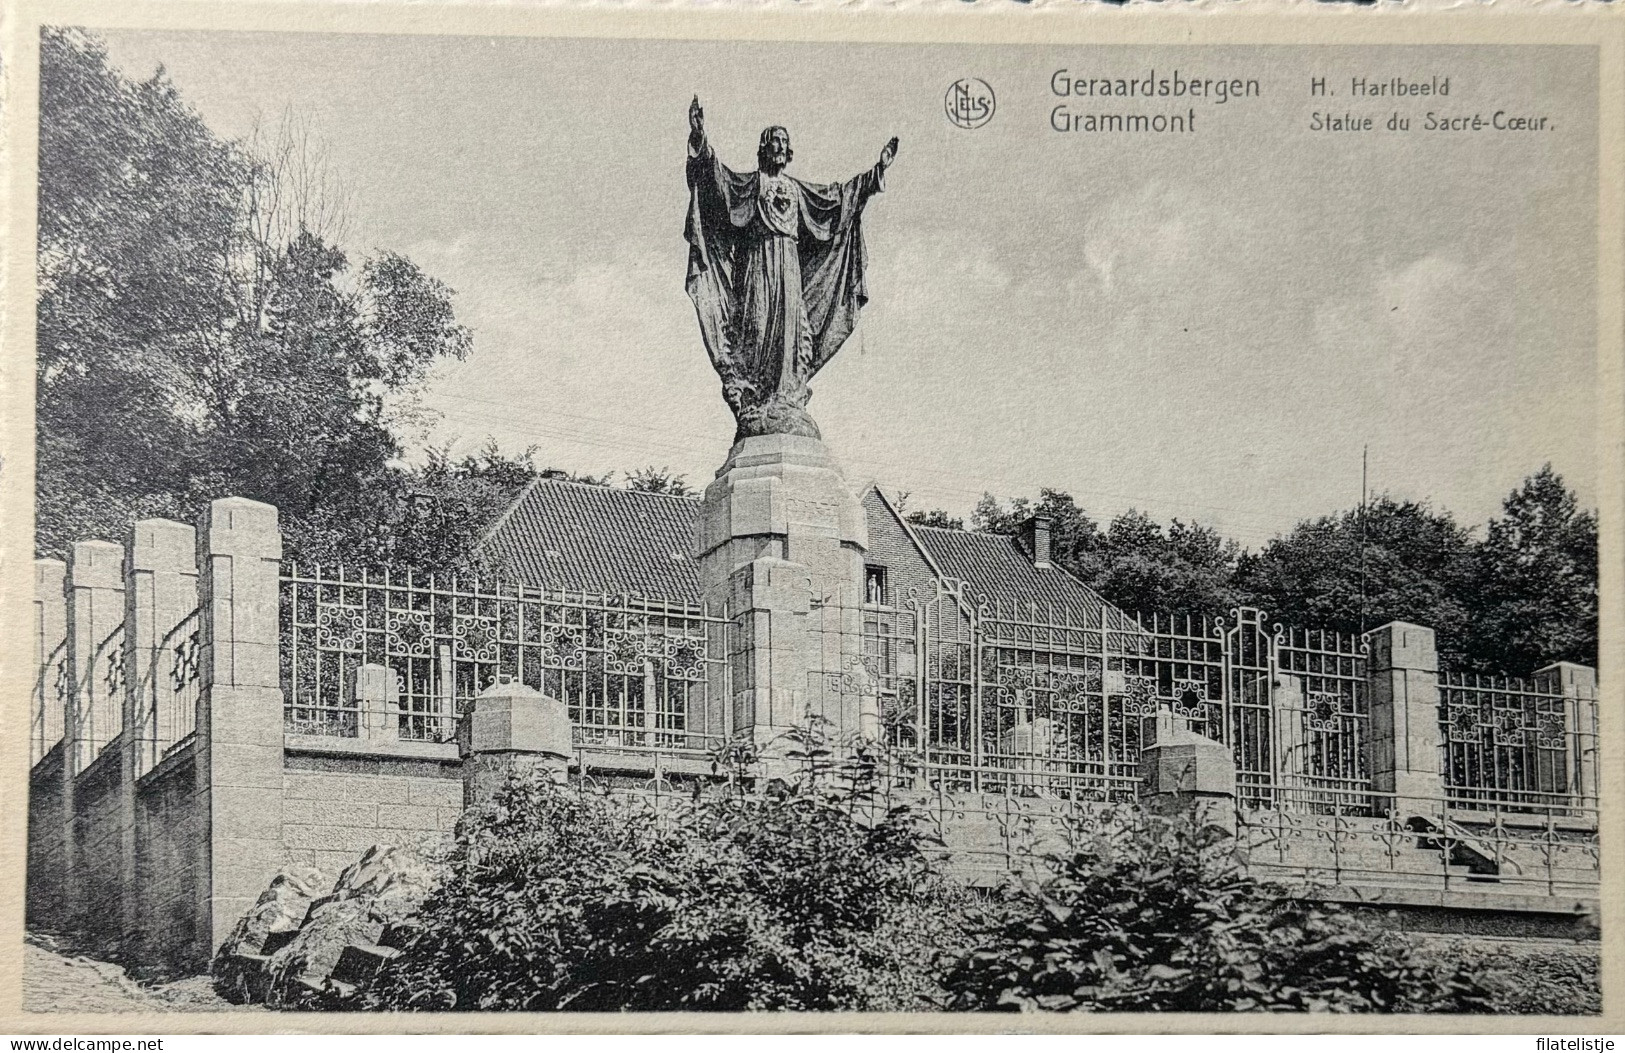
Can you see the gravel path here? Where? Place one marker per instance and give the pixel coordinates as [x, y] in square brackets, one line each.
[57, 981]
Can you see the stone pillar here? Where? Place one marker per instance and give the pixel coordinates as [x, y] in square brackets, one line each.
[1578, 685]
[378, 698]
[1291, 741]
[1402, 674]
[50, 630]
[95, 607]
[1186, 773]
[48, 823]
[160, 591]
[780, 541]
[511, 728]
[239, 721]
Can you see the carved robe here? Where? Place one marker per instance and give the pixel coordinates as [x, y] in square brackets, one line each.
[775, 270]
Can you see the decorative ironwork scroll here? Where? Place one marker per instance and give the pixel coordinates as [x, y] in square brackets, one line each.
[635, 672]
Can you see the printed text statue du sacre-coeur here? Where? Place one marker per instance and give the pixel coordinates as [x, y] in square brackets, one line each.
[775, 269]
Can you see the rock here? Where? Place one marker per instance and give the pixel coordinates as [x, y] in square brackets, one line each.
[239, 968]
[395, 879]
[359, 963]
[384, 887]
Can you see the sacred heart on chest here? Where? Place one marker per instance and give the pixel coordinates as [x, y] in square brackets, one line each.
[780, 198]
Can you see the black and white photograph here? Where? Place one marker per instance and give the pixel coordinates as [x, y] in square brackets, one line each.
[616, 517]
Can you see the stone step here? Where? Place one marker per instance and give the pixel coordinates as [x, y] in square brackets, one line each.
[359, 962]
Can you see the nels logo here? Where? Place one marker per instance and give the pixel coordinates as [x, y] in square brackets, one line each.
[969, 102]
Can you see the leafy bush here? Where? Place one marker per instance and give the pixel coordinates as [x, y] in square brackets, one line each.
[820, 892]
[815, 894]
[1558, 977]
[1156, 915]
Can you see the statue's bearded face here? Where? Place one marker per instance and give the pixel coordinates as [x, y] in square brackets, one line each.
[774, 149]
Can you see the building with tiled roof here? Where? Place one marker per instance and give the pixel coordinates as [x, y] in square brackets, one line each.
[577, 537]
[585, 538]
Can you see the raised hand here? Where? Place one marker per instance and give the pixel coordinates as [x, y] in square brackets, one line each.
[696, 117]
[888, 153]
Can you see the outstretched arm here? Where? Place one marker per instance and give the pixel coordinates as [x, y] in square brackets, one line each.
[696, 128]
[874, 180]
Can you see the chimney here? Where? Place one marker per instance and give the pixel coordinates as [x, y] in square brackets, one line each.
[1034, 537]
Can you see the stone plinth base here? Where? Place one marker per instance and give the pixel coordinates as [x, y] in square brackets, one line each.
[780, 543]
[508, 729]
[1188, 774]
[783, 497]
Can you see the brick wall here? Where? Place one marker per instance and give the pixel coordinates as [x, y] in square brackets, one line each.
[890, 547]
[97, 834]
[47, 850]
[170, 863]
[335, 808]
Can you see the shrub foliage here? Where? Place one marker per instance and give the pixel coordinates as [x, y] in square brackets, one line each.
[824, 891]
[1158, 915]
[816, 894]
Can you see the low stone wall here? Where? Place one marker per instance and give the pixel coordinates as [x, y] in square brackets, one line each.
[97, 846]
[338, 804]
[47, 843]
[171, 865]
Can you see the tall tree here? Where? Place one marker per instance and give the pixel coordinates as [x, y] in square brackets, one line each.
[652, 480]
[1189, 568]
[1398, 560]
[1072, 533]
[137, 202]
[201, 331]
[936, 517]
[1534, 589]
[448, 504]
[1134, 563]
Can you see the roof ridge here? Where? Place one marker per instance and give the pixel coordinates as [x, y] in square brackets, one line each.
[908, 528]
[962, 531]
[502, 520]
[606, 488]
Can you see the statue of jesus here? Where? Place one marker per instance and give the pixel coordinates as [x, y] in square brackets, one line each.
[775, 270]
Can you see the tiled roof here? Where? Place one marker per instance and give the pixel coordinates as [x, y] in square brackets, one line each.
[996, 567]
[585, 538]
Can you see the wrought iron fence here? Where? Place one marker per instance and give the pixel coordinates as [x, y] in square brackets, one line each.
[635, 672]
[166, 693]
[1516, 744]
[48, 703]
[1042, 700]
[1322, 708]
[1062, 701]
[1364, 838]
[98, 703]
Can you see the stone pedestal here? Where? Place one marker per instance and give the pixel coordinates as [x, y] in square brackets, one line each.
[378, 699]
[511, 728]
[780, 542]
[1184, 773]
[1403, 678]
[1578, 686]
[238, 758]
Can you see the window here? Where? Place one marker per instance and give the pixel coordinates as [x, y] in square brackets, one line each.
[874, 585]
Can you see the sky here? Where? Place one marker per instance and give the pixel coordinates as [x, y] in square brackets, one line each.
[1207, 326]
